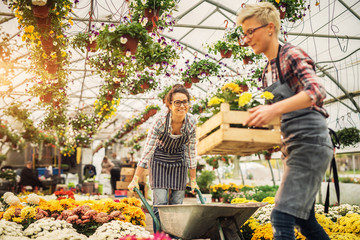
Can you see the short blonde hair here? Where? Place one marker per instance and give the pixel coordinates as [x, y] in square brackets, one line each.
[264, 12]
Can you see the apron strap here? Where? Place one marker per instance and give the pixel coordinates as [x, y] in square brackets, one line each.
[282, 80]
[336, 144]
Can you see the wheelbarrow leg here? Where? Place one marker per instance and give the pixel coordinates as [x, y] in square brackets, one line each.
[238, 229]
[221, 233]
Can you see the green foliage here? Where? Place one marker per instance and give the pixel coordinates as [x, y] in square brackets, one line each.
[348, 136]
[165, 92]
[204, 180]
[8, 174]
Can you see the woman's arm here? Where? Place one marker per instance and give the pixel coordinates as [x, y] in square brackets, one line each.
[263, 114]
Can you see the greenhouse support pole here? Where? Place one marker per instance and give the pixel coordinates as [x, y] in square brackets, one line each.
[241, 172]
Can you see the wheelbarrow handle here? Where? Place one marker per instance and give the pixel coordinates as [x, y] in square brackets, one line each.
[148, 207]
[200, 196]
[198, 192]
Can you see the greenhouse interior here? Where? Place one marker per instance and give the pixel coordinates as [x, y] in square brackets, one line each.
[88, 90]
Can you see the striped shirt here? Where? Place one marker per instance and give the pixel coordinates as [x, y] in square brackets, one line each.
[158, 128]
[298, 70]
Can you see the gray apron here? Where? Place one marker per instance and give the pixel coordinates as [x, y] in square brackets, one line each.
[168, 168]
[307, 151]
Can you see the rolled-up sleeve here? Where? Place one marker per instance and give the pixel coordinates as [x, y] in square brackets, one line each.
[150, 144]
[191, 146]
[191, 151]
[304, 69]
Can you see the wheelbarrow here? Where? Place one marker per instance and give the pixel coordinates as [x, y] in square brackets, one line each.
[196, 221]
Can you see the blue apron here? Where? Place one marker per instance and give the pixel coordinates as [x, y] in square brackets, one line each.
[307, 151]
[168, 168]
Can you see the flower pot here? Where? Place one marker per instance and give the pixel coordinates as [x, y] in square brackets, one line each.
[268, 156]
[247, 60]
[227, 54]
[43, 23]
[152, 112]
[121, 74]
[40, 11]
[91, 47]
[187, 84]
[145, 85]
[46, 98]
[47, 44]
[194, 79]
[39, 2]
[116, 85]
[244, 88]
[51, 67]
[131, 44]
[152, 14]
[282, 12]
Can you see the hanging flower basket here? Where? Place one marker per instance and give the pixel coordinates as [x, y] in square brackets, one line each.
[91, 47]
[131, 44]
[152, 112]
[116, 85]
[247, 60]
[109, 97]
[194, 79]
[282, 11]
[226, 55]
[46, 98]
[41, 11]
[145, 85]
[267, 156]
[244, 88]
[39, 2]
[44, 23]
[152, 14]
[121, 74]
[47, 44]
[51, 66]
[187, 84]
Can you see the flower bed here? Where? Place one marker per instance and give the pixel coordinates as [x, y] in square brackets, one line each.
[342, 222]
[33, 217]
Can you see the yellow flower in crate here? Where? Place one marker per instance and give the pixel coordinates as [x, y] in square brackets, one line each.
[267, 95]
[215, 101]
[231, 86]
[244, 99]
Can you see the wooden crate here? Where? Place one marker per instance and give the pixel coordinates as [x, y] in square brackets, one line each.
[127, 171]
[122, 185]
[228, 140]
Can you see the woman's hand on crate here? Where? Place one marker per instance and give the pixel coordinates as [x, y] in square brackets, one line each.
[134, 183]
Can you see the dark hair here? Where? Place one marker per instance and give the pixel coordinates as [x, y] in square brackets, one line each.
[105, 158]
[177, 88]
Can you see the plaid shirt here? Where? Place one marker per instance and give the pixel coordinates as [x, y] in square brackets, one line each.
[158, 128]
[298, 70]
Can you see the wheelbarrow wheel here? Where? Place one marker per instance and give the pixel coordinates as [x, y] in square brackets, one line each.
[229, 234]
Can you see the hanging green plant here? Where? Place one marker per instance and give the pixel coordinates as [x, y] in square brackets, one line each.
[348, 137]
[291, 10]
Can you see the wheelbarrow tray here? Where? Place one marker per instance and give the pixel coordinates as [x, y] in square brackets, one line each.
[191, 221]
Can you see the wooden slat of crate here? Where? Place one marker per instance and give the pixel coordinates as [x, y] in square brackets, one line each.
[235, 141]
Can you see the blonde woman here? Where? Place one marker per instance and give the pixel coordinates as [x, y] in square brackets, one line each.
[307, 150]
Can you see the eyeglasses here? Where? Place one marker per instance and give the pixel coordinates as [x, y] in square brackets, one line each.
[250, 32]
[178, 103]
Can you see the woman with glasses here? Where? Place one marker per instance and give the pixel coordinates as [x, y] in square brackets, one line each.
[298, 99]
[170, 150]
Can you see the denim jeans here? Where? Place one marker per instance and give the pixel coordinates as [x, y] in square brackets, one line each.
[283, 226]
[160, 197]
